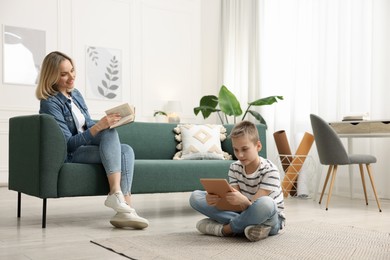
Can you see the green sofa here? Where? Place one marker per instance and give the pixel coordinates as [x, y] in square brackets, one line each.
[37, 150]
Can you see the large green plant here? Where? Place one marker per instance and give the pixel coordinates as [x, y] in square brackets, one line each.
[226, 104]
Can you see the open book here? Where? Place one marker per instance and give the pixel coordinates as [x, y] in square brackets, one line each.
[126, 111]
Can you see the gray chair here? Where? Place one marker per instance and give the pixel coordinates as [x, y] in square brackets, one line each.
[331, 152]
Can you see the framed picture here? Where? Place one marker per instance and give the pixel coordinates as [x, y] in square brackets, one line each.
[23, 52]
[104, 73]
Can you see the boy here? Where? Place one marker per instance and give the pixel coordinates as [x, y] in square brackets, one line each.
[257, 190]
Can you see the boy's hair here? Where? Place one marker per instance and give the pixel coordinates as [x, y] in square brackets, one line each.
[245, 128]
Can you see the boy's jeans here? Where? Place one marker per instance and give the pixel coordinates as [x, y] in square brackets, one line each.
[262, 211]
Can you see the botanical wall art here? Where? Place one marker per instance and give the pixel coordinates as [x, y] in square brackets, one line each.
[103, 73]
[23, 52]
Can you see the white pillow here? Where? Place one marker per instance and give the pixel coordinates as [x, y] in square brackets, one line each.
[200, 142]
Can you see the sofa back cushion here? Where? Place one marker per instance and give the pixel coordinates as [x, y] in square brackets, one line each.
[149, 140]
[157, 140]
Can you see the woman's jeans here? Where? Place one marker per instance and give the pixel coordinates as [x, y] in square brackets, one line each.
[262, 211]
[105, 148]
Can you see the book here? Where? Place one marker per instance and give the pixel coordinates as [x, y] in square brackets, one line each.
[126, 111]
[220, 187]
[355, 117]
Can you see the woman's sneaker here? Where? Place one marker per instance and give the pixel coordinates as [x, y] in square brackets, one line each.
[210, 227]
[257, 232]
[117, 202]
[131, 220]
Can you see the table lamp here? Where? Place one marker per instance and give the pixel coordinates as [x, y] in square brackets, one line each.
[173, 109]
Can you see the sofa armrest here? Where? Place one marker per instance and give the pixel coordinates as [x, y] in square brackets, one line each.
[37, 151]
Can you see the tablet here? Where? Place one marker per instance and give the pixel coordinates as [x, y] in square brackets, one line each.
[220, 187]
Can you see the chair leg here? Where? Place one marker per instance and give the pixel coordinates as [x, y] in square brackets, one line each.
[19, 210]
[363, 182]
[326, 182]
[368, 166]
[44, 209]
[44, 213]
[331, 185]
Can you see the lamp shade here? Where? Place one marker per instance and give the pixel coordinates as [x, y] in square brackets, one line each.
[173, 106]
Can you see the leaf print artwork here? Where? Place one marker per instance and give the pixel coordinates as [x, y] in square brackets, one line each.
[103, 73]
[93, 54]
[109, 83]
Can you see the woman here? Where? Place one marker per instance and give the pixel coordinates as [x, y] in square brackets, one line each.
[87, 141]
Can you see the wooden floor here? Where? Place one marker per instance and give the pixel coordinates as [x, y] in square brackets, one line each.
[73, 222]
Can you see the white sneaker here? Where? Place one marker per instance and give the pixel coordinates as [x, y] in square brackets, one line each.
[132, 220]
[257, 232]
[210, 227]
[117, 202]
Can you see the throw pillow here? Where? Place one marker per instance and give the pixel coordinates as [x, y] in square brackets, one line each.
[200, 142]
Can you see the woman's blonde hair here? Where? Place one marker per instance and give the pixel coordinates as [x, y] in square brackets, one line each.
[246, 128]
[50, 74]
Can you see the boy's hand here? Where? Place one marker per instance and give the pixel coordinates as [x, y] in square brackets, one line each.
[237, 198]
[212, 199]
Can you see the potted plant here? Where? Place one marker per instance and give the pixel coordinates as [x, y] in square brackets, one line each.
[226, 104]
[160, 116]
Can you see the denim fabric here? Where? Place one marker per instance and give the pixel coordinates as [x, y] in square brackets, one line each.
[262, 211]
[104, 148]
[60, 107]
[115, 157]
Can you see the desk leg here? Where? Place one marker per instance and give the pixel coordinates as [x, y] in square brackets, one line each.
[350, 167]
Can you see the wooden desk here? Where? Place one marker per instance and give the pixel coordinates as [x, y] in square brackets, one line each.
[365, 128]
[360, 129]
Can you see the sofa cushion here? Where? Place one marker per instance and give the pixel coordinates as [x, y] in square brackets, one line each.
[151, 176]
[200, 142]
[149, 140]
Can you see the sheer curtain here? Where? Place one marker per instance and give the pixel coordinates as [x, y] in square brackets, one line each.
[327, 57]
[240, 48]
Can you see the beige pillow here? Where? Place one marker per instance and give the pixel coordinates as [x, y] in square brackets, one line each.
[200, 142]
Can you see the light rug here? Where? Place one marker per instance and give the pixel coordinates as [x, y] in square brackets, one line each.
[298, 241]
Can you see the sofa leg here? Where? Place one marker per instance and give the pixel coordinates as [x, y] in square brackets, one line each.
[19, 204]
[44, 213]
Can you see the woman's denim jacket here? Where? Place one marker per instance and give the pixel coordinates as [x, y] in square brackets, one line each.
[60, 107]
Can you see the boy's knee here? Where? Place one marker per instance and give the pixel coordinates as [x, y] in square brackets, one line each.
[195, 197]
[266, 199]
[266, 202]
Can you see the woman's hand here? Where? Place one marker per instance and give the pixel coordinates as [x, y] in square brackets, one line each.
[105, 122]
[109, 120]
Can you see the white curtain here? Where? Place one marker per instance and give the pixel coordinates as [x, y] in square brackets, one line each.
[328, 57]
[240, 49]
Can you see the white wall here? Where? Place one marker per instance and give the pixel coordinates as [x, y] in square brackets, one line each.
[169, 50]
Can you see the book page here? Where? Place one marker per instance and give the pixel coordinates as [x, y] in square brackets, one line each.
[126, 111]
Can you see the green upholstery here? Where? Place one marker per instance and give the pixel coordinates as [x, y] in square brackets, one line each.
[149, 140]
[37, 151]
[157, 140]
[175, 175]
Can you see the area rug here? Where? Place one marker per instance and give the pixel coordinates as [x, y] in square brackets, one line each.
[298, 241]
